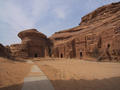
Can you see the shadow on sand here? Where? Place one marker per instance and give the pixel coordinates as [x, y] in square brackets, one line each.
[13, 87]
[104, 84]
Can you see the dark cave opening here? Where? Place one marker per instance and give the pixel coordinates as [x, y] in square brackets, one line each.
[36, 55]
[61, 55]
[81, 54]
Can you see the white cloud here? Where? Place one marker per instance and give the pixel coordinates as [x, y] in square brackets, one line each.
[62, 11]
[18, 18]
[39, 7]
[15, 16]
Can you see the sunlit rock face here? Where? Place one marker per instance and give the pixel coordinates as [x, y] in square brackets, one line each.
[34, 44]
[98, 35]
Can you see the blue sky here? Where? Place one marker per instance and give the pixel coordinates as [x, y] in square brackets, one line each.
[47, 16]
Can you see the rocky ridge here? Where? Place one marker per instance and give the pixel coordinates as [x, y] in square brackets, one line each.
[96, 34]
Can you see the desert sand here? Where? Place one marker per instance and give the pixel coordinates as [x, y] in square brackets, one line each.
[12, 74]
[71, 74]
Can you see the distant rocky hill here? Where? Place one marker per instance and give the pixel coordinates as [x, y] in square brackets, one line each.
[4, 51]
[98, 35]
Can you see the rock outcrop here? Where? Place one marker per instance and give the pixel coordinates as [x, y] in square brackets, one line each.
[98, 35]
[4, 51]
[34, 44]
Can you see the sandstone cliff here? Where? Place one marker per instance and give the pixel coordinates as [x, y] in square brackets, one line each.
[98, 35]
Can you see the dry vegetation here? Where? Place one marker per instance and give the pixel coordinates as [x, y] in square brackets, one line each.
[12, 74]
[81, 75]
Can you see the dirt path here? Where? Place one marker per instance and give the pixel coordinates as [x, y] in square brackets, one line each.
[36, 80]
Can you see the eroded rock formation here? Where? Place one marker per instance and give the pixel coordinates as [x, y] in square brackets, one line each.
[34, 44]
[98, 35]
[4, 51]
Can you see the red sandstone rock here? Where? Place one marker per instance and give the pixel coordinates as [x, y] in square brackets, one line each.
[34, 44]
[98, 35]
[96, 31]
[4, 51]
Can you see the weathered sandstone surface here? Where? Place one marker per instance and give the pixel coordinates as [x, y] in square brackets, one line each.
[4, 51]
[34, 44]
[98, 35]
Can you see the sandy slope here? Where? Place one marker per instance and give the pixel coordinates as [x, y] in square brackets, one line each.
[12, 74]
[82, 75]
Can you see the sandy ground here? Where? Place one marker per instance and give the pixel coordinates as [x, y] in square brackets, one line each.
[81, 75]
[12, 74]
